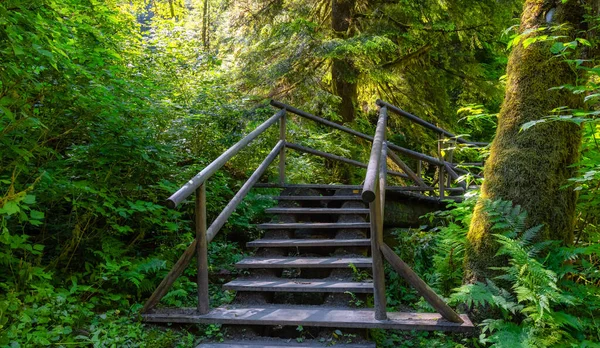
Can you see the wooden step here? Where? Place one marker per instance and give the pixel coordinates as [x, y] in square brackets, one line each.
[288, 343]
[298, 285]
[304, 262]
[313, 225]
[318, 198]
[290, 243]
[360, 318]
[317, 211]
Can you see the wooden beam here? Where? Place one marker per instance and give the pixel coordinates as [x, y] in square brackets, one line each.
[377, 212]
[282, 127]
[191, 186]
[422, 288]
[372, 176]
[336, 158]
[426, 124]
[414, 177]
[202, 250]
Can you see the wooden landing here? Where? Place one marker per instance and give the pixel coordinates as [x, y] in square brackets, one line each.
[291, 243]
[288, 343]
[299, 285]
[304, 262]
[314, 225]
[317, 211]
[311, 316]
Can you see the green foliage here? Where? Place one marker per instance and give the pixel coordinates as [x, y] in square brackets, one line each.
[538, 293]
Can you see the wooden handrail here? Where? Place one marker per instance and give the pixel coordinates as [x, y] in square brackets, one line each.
[368, 194]
[211, 232]
[338, 158]
[426, 124]
[191, 186]
[403, 150]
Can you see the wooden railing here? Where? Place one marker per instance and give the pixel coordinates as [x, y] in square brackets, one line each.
[374, 190]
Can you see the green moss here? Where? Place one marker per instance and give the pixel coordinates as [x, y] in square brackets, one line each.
[529, 168]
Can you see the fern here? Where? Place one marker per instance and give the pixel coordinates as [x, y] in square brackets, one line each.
[546, 287]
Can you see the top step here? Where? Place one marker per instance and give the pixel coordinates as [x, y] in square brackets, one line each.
[318, 198]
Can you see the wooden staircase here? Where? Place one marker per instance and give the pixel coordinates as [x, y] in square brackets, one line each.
[318, 262]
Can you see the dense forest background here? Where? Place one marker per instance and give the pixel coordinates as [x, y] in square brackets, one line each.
[106, 107]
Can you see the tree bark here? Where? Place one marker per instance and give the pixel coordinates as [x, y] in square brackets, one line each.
[205, 39]
[343, 72]
[530, 167]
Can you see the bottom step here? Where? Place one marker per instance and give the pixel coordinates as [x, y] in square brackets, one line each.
[280, 343]
[358, 318]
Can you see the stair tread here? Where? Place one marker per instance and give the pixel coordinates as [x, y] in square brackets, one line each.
[318, 198]
[262, 243]
[298, 285]
[304, 262]
[312, 316]
[309, 225]
[278, 343]
[317, 211]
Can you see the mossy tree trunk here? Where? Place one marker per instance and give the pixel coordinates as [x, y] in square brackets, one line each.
[343, 72]
[530, 167]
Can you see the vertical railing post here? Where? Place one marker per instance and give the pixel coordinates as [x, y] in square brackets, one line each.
[202, 250]
[441, 168]
[282, 131]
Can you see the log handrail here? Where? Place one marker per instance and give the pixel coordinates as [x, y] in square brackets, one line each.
[186, 190]
[428, 125]
[374, 189]
[374, 194]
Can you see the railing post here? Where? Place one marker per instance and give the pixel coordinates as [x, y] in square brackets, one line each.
[441, 167]
[282, 131]
[202, 250]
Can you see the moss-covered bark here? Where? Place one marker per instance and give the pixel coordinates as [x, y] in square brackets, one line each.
[530, 167]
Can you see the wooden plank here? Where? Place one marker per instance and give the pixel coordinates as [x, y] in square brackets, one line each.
[318, 198]
[299, 285]
[336, 158]
[313, 225]
[317, 211]
[288, 343]
[310, 186]
[303, 262]
[281, 243]
[376, 221]
[422, 288]
[191, 186]
[358, 318]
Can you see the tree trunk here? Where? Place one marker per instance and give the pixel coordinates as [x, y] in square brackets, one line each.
[343, 73]
[205, 39]
[530, 167]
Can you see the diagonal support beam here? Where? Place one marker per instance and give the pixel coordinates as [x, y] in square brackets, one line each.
[405, 168]
[422, 288]
[212, 231]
